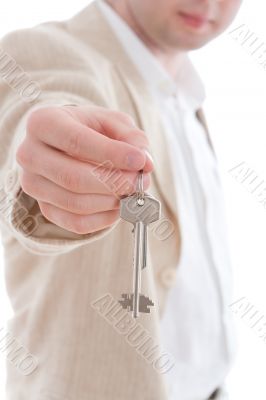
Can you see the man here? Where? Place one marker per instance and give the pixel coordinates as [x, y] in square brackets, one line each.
[118, 94]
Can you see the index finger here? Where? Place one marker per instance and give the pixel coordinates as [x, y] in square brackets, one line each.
[63, 132]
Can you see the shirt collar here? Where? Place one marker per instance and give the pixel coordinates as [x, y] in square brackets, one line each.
[187, 82]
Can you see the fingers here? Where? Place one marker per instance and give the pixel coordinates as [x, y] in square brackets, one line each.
[74, 175]
[118, 126]
[81, 224]
[77, 162]
[46, 191]
[104, 139]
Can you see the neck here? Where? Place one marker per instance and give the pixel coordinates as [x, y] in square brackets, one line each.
[169, 59]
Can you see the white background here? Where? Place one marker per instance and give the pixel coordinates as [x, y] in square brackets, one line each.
[236, 90]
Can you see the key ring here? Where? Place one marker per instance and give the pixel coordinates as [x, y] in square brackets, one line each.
[140, 190]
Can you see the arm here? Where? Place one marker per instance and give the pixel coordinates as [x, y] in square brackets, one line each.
[59, 84]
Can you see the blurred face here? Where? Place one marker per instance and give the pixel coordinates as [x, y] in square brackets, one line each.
[183, 24]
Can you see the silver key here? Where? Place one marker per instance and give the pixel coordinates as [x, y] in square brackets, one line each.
[140, 209]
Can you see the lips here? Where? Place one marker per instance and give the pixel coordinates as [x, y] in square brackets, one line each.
[194, 20]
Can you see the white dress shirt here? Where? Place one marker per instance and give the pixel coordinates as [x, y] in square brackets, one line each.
[196, 327]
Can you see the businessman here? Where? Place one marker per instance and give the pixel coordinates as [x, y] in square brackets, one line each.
[117, 94]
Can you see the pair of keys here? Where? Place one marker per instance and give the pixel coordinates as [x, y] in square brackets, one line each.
[141, 209]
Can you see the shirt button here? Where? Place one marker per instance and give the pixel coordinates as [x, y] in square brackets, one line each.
[168, 277]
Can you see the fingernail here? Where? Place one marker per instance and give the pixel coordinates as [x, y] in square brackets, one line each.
[135, 161]
[148, 154]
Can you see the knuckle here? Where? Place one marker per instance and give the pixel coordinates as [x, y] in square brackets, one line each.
[74, 204]
[38, 118]
[74, 143]
[26, 183]
[20, 155]
[24, 156]
[124, 117]
[67, 179]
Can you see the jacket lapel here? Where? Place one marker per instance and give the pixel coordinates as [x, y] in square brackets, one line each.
[201, 117]
[91, 24]
[151, 123]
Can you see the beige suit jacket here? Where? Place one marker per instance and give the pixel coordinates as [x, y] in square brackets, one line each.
[54, 277]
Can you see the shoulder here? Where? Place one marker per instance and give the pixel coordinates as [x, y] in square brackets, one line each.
[51, 45]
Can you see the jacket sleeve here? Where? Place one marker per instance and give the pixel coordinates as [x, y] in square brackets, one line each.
[38, 68]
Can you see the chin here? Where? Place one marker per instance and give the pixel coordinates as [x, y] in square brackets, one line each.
[187, 46]
[193, 46]
[192, 42]
[185, 41]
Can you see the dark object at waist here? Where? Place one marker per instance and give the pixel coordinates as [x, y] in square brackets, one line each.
[215, 394]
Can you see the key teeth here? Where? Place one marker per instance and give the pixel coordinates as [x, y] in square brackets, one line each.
[144, 303]
[127, 301]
